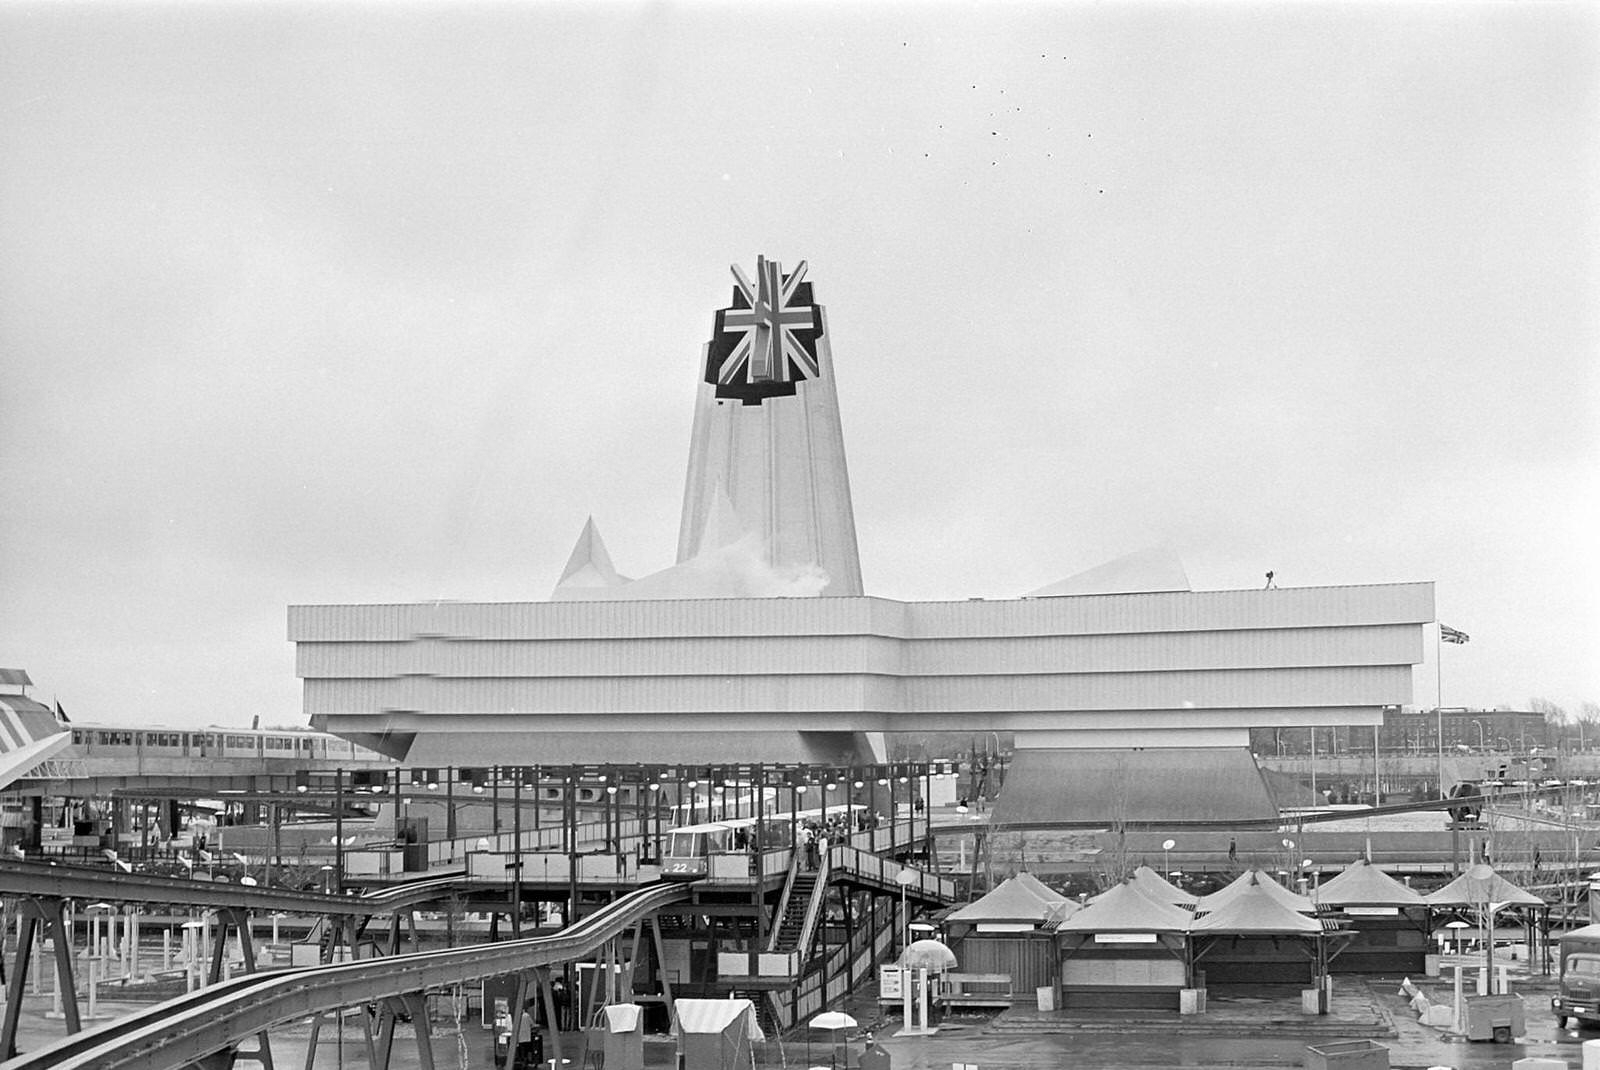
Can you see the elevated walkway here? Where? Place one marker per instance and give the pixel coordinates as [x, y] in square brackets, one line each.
[799, 969]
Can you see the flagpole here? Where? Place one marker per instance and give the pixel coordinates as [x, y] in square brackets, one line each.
[1438, 696]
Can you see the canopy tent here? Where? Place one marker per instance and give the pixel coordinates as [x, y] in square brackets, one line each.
[1040, 888]
[1389, 922]
[1254, 938]
[1125, 950]
[1158, 887]
[1011, 902]
[1479, 885]
[1254, 878]
[1364, 885]
[716, 1034]
[1127, 909]
[1482, 889]
[1256, 911]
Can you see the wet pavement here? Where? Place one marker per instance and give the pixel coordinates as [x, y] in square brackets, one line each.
[1232, 1033]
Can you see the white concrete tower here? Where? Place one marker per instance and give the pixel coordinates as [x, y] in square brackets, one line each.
[767, 437]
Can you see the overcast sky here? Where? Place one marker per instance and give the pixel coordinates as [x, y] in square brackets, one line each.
[369, 302]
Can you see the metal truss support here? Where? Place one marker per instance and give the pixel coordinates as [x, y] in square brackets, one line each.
[51, 914]
[518, 1013]
[237, 919]
[542, 973]
[417, 1004]
[410, 916]
[661, 961]
[380, 1043]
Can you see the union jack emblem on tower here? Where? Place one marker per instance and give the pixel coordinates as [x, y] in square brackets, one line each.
[767, 341]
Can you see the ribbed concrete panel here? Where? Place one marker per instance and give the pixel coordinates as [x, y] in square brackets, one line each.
[512, 726]
[1225, 688]
[690, 656]
[763, 696]
[1163, 651]
[600, 620]
[1301, 607]
[1105, 663]
[1179, 611]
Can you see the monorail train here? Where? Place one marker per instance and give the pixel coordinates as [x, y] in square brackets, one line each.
[114, 741]
[689, 847]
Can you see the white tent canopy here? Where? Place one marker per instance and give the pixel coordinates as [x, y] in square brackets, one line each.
[716, 1034]
[716, 1015]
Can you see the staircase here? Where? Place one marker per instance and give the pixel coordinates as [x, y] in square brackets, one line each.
[766, 1014]
[787, 934]
[330, 936]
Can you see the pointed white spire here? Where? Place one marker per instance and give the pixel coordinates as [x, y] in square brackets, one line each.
[590, 564]
[723, 526]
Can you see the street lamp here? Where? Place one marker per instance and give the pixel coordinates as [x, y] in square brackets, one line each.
[905, 878]
[1166, 855]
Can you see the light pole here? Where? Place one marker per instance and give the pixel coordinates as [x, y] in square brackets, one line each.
[905, 878]
[1166, 855]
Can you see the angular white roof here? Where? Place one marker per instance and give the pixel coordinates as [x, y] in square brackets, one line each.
[1136, 573]
[1011, 900]
[1254, 879]
[1127, 909]
[1255, 910]
[1365, 885]
[1160, 889]
[1481, 884]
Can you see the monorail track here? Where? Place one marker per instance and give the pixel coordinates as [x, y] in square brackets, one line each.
[186, 1029]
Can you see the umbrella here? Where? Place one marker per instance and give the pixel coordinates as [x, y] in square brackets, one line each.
[833, 1021]
[928, 955]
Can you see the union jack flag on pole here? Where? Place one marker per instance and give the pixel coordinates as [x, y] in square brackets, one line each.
[767, 341]
[1450, 635]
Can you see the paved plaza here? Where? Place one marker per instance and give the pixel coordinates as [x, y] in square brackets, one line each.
[1239, 1032]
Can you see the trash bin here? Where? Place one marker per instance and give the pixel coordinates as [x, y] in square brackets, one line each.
[1347, 1055]
[1047, 997]
[530, 1053]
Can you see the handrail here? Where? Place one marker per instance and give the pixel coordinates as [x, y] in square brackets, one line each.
[180, 1031]
[73, 882]
[819, 896]
[864, 864]
[783, 902]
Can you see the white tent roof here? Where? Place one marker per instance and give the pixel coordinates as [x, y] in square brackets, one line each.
[1363, 884]
[1040, 888]
[1254, 878]
[1011, 900]
[715, 1015]
[1481, 884]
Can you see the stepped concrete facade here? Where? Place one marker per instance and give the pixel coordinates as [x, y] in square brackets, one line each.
[758, 643]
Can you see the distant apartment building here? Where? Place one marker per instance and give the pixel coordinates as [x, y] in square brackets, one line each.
[1413, 731]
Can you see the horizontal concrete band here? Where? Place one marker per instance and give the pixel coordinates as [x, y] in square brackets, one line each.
[712, 724]
[1177, 611]
[864, 654]
[1291, 688]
